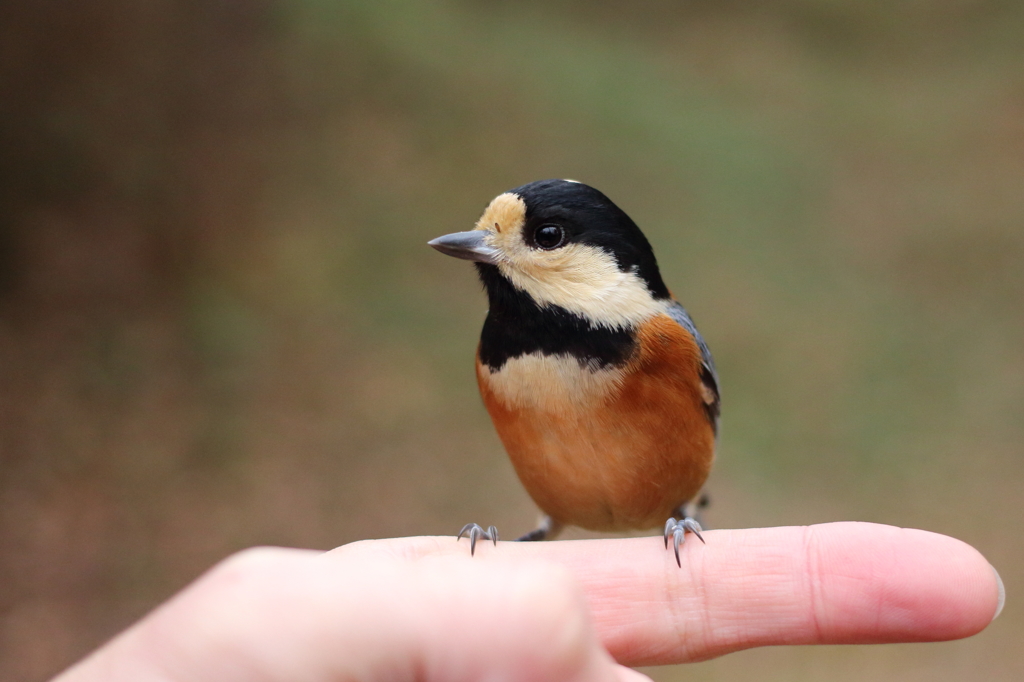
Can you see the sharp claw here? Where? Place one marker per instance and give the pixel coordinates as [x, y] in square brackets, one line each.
[694, 527]
[669, 527]
[475, 531]
[678, 530]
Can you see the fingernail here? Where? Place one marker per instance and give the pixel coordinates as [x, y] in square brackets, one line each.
[1002, 593]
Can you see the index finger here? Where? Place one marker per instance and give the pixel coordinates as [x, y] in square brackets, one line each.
[826, 584]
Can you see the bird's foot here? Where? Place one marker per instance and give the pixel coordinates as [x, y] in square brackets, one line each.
[475, 532]
[677, 531]
[547, 530]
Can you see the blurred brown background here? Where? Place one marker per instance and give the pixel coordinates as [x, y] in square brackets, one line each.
[220, 325]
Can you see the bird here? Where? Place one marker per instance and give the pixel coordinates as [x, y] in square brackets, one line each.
[601, 389]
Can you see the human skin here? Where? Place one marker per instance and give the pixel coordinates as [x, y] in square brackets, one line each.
[422, 609]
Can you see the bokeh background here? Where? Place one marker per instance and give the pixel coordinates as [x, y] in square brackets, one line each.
[220, 325]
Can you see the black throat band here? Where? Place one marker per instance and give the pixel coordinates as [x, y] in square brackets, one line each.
[516, 325]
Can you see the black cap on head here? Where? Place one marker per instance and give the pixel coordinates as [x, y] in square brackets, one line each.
[589, 217]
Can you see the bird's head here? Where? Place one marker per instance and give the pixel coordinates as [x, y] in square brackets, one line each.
[564, 244]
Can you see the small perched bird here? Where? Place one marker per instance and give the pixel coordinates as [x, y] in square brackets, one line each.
[599, 385]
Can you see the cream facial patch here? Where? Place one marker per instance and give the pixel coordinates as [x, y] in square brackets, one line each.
[580, 278]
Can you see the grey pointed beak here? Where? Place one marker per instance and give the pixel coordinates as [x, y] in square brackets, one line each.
[466, 245]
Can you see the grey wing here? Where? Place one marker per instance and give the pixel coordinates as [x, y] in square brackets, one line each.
[708, 375]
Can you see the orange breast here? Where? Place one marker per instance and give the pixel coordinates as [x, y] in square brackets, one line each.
[606, 449]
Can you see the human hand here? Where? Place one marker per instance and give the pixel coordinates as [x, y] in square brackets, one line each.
[423, 609]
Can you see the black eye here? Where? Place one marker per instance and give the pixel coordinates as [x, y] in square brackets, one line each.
[549, 236]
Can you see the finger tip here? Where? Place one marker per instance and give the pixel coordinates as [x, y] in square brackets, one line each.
[1001, 593]
[888, 584]
[973, 594]
[940, 588]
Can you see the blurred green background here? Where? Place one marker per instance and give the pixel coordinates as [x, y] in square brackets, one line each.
[220, 325]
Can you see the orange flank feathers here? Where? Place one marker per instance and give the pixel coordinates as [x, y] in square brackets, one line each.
[607, 448]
